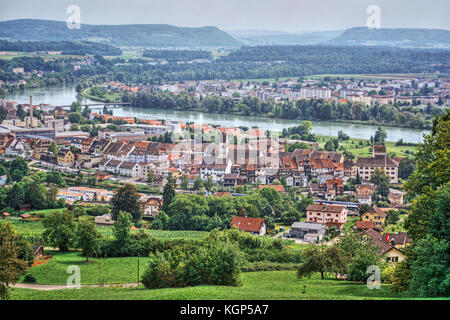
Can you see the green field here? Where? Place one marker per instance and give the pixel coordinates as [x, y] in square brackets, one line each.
[268, 285]
[112, 270]
[108, 97]
[28, 228]
[352, 145]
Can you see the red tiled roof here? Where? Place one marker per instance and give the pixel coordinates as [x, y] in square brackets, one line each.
[247, 224]
[278, 187]
[365, 225]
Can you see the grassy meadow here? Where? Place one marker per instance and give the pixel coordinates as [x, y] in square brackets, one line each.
[266, 285]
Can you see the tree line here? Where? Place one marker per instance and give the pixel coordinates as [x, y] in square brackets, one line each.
[305, 109]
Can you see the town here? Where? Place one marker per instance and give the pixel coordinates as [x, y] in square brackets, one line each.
[198, 161]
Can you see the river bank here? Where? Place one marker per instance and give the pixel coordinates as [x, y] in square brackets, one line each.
[65, 95]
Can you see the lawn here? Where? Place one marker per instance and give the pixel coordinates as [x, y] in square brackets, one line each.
[352, 145]
[273, 285]
[112, 270]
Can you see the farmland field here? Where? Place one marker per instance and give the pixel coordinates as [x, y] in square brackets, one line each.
[28, 228]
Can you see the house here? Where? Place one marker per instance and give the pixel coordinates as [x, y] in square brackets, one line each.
[399, 240]
[349, 168]
[152, 206]
[89, 194]
[70, 196]
[312, 232]
[4, 215]
[65, 157]
[60, 113]
[100, 176]
[335, 187]
[330, 215]
[255, 226]
[396, 198]
[230, 179]
[364, 192]
[38, 251]
[215, 171]
[388, 249]
[367, 165]
[374, 215]
[106, 220]
[130, 169]
[277, 187]
[366, 225]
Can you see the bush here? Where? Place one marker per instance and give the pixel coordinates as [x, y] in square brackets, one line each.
[214, 262]
[29, 278]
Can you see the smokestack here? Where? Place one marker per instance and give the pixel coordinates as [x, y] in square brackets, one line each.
[31, 111]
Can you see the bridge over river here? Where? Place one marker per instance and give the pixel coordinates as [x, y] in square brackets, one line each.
[99, 104]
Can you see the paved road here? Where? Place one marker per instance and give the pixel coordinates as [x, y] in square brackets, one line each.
[61, 286]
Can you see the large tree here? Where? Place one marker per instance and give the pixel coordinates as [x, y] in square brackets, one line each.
[88, 238]
[426, 270]
[14, 253]
[59, 229]
[127, 199]
[168, 192]
[381, 181]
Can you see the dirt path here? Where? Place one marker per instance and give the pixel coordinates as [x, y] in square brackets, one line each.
[61, 286]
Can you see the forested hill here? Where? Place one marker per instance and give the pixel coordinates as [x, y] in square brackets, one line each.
[413, 38]
[145, 35]
[66, 47]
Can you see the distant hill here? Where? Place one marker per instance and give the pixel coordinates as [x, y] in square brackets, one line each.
[143, 35]
[267, 37]
[409, 38]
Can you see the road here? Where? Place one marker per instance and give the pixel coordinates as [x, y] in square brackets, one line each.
[47, 287]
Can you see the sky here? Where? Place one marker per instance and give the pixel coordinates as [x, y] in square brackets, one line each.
[283, 15]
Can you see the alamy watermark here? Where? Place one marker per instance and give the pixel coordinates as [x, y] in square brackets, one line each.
[374, 19]
[74, 280]
[374, 280]
[74, 19]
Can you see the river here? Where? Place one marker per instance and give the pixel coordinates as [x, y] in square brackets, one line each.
[66, 95]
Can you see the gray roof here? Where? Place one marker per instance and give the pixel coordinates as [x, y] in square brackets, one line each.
[308, 225]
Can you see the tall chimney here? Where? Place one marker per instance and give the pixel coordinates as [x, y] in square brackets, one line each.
[31, 111]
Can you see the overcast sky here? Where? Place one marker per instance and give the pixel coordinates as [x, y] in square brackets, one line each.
[286, 15]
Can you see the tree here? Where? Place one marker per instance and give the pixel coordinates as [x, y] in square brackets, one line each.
[121, 229]
[208, 183]
[380, 136]
[151, 177]
[428, 221]
[198, 183]
[53, 148]
[88, 238]
[18, 168]
[431, 269]
[59, 229]
[381, 180]
[358, 177]
[168, 192]
[315, 261]
[184, 182]
[406, 167]
[127, 199]
[12, 259]
[329, 145]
